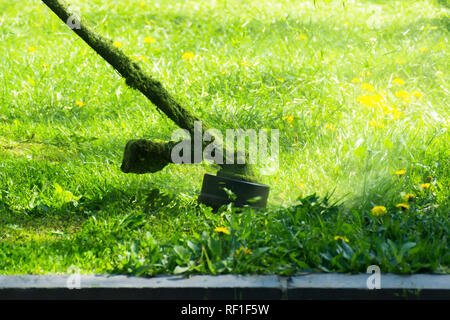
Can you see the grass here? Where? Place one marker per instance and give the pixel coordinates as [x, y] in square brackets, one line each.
[299, 66]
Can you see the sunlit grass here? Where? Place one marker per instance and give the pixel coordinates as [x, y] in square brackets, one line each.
[358, 91]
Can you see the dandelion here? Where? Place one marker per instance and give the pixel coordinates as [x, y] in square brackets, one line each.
[403, 206]
[142, 4]
[80, 103]
[31, 49]
[400, 172]
[341, 238]
[356, 80]
[246, 251]
[117, 44]
[417, 94]
[330, 127]
[149, 40]
[289, 119]
[423, 49]
[44, 65]
[404, 95]
[222, 230]
[396, 113]
[368, 87]
[400, 61]
[387, 109]
[188, 56]
[378, 211]
[140, 58]
[409, 197]
[302, 37]
[425, 186]
[398, 81]
[375, 100]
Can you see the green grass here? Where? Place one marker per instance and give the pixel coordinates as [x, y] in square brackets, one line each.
[287, 65]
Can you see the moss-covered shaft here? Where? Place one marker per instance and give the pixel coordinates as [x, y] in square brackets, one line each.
[147, 156]
[130, 70]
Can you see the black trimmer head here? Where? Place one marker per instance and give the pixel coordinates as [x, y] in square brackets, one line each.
[243, 193]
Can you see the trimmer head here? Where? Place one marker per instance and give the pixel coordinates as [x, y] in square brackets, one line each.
[243, 193]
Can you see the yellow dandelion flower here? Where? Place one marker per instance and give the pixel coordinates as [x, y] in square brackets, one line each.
[302, 37]
[375, 100]
[404, 95]
[222, 230]
[43, 64]
[117, 44]
[31, 49]
[330, 127]
[80, 103]
[387, 109]
[142, 4]
[403, 206]
[246, 251]
[400, 61]
[400, 172]
[423, 49]
[409, 197]
[149, 40]
[289, 119]
[139, 58]
[341, 238]
[398, 81]
[356, 80]
[417, 94]
[426, 185]
[188, 56]
[368, 87]
[378, 211]
[396, 113]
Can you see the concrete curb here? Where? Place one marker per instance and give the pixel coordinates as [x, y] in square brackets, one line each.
[317, 286]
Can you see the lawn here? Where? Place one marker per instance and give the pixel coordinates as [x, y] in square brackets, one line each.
[358, 89]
